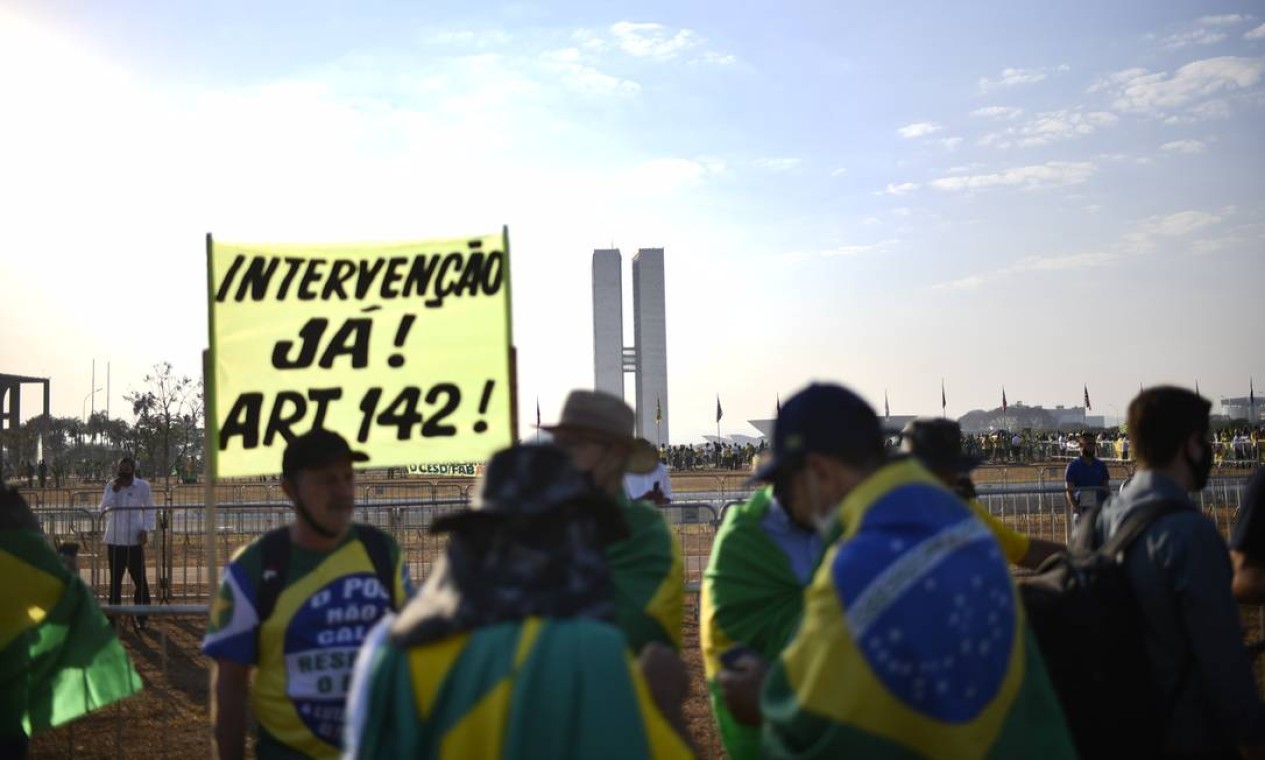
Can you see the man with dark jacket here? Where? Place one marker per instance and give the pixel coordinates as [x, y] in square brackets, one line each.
[1179, 571]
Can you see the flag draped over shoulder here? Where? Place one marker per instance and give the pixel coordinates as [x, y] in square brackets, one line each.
[535, 688]
[913, 642]
[59, 658]
[648, 572]
[750, 596]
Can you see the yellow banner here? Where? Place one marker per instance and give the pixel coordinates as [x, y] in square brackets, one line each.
[403, 348]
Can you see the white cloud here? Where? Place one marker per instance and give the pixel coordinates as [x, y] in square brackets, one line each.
[1185, 146]
[1256, 34]
[1176, 225]
[1190, 87]
[839, 172]
[903, 188]
[1068, 262]
[587, 79]
[998, 112]
[1035, 177]
[949, 143]
[652, 40]
[1140, 240]
[1015, 77]
[857, 250]
[1206, 111]
[918, 129]
[1051, 127]
[1193, 37]
[779, 164]
[656, 42]
[1209, 246]
[1228, 19]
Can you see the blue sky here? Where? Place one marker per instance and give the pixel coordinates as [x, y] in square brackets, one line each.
[1039, 196]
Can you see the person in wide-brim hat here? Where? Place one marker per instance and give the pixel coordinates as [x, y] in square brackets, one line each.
[596, 429]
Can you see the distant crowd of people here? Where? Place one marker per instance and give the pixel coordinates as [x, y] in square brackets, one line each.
[712, 456]
[860, 603]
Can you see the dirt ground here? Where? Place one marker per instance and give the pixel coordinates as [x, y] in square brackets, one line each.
[170, 717]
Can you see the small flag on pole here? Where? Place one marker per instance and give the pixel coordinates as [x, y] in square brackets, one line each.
[658, 411]
[1004, 405]
[537, 412]
[943, 403]
[887, 410]
[1088, 406]
[719, 412]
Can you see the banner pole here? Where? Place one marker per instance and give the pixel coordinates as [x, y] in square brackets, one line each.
[210, 420]
[210, 512]
[509, 336]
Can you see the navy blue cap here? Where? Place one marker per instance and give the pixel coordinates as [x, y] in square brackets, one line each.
[822, 419]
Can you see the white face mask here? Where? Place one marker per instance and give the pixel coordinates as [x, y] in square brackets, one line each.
[821, 518]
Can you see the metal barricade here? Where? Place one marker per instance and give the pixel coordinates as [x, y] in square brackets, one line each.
[409, 522]
[695, 529]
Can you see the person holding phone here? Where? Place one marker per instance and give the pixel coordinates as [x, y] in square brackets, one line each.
[128, 504]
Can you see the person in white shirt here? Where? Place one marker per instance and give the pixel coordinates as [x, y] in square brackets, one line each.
[128, 523]
[647, 475]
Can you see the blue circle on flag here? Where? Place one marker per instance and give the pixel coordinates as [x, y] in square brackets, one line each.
[929, 602]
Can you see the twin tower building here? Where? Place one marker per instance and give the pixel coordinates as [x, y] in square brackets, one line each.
[647, 358]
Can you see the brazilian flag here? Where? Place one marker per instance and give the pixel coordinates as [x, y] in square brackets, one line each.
[649, 578]
[750, 596]
[913, 642]
[59, 658]
[518, 689]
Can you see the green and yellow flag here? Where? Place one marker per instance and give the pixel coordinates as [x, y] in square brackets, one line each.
[750, 596]
[913, 642]
[649, 578]
[59, 658]
[535, 688]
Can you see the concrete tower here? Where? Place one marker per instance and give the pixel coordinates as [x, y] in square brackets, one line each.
[648, 358]
[651, 344]
[608, 322]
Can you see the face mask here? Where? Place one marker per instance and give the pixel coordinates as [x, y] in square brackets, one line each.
[1203, 468]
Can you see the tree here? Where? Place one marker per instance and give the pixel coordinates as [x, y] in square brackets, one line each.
[163, 412]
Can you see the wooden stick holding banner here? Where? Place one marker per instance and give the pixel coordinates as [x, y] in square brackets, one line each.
[210, 510]
[210, 419]
[509, 336]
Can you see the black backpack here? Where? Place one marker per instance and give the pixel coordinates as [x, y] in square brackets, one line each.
[1086, 620]
[274, 550]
